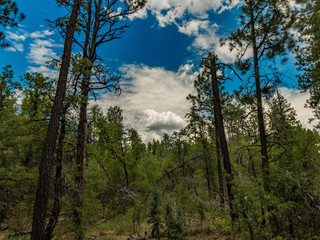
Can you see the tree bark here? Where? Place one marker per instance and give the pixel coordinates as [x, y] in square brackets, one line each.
[221, 132]
[220, 171]
[81, 138]
[46, 163]
[207, 161]
[58, 182]
[262, 131]
[89, 52]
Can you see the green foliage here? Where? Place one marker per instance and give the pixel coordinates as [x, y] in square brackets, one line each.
[175, 221]
[307, 54]
[171, 186]
[9, 17]
[154, 213]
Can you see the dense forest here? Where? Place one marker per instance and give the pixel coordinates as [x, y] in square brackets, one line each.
[242, 168]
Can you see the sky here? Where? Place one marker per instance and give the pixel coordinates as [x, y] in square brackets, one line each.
[158, 57]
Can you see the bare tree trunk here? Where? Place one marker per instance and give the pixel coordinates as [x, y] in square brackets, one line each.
[207, 160]
[58, 182]
[46, 163]
[220, 171]
[88, 53]
[88, 141]
[81, 138]
[221, 133]
[262, 131]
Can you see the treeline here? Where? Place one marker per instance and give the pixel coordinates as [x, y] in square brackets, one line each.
[243, 167]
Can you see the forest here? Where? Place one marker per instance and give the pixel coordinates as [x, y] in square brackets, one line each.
[243, 167]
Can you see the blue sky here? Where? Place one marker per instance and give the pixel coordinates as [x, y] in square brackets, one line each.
[158, 56]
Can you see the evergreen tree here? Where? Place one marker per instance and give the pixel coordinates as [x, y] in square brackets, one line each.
[154, 212]
[265, 29]
[46, 163]
[9, 17]
[308, 53]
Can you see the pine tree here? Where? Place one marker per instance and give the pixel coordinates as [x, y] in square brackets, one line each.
[308, 53]
[265, 30]
[9, 17]
[154, 213]
[46, 163]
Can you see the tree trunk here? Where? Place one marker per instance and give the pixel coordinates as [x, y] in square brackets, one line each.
[81, 138]
[89, 141]
[220, 171]
[221, 133]
[88, 53]
[262, 131]
[58, 182]
[207, 160]
[46, 163]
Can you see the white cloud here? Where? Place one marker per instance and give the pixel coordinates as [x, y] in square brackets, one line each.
[164, 121]
[206, 39]
[198, 26]
[154, 101]
[16, 36]
[168, 11]
[193, 27]
[41, 51]
[41, 34]
[16, 40]
[229, 6]
[142, 14]
[15, 47]
[10, 49]
[53, 74]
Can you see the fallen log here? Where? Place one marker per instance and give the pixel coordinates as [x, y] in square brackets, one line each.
[145, 237]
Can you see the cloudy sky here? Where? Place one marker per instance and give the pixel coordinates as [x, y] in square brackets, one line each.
[158, 57]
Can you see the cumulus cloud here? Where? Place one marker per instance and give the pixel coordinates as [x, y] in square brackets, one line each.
[15, 47]
[206, 39]
[53, 74]
[41, 34]
[194, 27]
[168, 11]
[164, 121]
[153, 99]
[16, 36]
[42, 51]
[197, 25]
[16, 40]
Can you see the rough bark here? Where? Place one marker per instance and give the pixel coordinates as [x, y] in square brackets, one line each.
[89, 52]
[207, 161]
[58, 183]
[221, 133]
[46, 163]
[81, 138]
[220, 171]
[262, 131]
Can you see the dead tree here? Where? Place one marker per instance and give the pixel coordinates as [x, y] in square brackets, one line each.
[100, 21]
[145, 237]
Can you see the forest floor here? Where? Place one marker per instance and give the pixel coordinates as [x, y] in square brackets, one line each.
[7, 234]
[21, 230]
